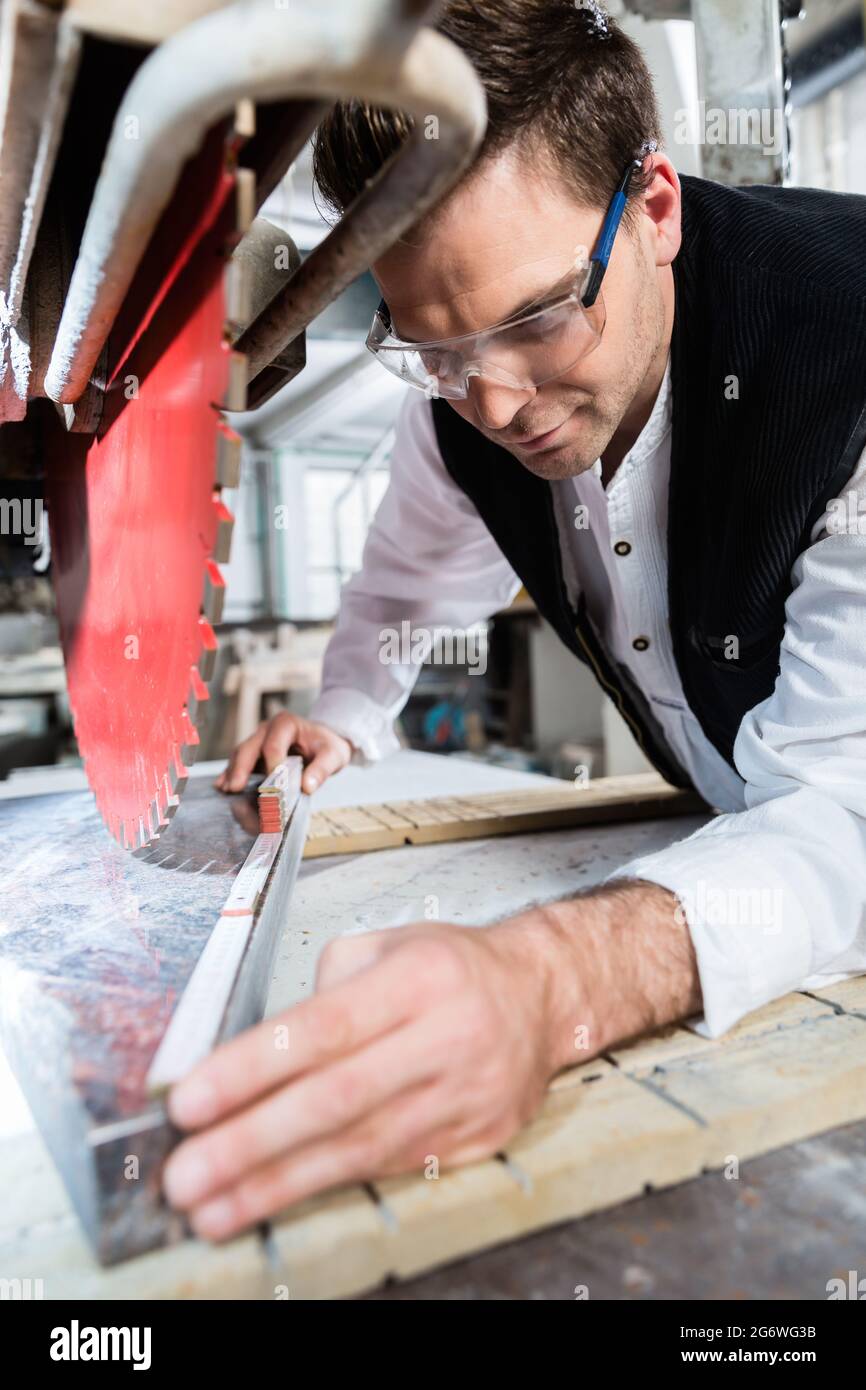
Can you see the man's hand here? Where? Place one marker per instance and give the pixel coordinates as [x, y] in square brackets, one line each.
[426, 1041]
[323, 751]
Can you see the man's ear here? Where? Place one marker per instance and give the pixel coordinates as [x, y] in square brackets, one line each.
[662, 211]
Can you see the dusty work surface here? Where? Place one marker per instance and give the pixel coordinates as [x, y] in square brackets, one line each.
[653, 1116]
[609, 1141]
[96, 947]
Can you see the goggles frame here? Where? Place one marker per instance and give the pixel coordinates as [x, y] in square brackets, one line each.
[581, 288]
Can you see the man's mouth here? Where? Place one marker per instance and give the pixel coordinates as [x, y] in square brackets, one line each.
[539, 441]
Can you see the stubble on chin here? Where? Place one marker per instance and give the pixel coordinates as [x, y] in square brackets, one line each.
[570, 460]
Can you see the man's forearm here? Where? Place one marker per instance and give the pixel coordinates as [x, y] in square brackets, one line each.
[611, 964]
[432, 1038]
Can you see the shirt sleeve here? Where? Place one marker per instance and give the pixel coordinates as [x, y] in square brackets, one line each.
[775, 895]
[429, 564]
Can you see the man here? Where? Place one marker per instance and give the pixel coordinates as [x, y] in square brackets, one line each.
[656, 452]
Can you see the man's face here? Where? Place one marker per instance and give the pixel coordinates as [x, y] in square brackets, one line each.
[503, 237]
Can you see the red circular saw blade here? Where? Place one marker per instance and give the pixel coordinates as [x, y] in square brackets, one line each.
[135, 518]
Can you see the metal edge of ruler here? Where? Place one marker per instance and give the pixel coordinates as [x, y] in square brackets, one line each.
[199, 1020]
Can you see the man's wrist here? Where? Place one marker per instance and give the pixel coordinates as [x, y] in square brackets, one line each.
[610, 964]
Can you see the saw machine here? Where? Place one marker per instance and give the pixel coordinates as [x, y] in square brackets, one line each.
[141, 296]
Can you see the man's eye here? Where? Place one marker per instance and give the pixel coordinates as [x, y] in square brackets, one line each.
[437, 362]
[550, 321]
[530, 330]
[537, 327]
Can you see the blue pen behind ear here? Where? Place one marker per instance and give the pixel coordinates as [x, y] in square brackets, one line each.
[607, 235]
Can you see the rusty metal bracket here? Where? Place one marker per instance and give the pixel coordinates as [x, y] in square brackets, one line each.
[371, 50]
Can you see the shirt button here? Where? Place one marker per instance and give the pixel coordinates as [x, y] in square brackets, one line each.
[640, 644]
[622, 548]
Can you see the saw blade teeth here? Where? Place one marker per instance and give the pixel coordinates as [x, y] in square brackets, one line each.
[199, 689]
[228, 463]
[189, 736]
[245, 200]
[198, 695]
[244, 125]
[189, 752]
[178, 773]
[208, 651]
[142, 815]
[168, 800]
[238, 298]
[214, 594]
[237, 277]
[225, 527]
[235, 394]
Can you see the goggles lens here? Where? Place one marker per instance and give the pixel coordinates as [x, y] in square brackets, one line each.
[521, 354]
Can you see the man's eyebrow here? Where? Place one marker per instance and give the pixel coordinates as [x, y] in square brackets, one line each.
[537, 298]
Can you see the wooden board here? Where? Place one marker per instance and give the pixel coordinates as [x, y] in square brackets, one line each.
[353, 829]
[649, 1116]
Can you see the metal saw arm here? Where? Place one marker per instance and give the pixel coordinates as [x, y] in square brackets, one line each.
[157, 319]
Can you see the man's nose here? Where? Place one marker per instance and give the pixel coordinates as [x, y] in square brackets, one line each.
[495, 404]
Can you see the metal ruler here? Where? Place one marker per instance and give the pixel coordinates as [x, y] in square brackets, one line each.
[217, 1002]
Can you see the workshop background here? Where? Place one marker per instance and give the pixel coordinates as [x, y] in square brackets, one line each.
[316, 458]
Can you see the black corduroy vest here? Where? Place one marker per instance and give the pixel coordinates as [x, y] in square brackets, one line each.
[771, 290]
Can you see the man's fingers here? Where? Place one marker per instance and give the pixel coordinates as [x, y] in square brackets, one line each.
[283, 731]
[313, 1033]
[279, 733]
[242, 762]
[382, 1141]
[324, 752]
[353, 953]
[325, 1102]
[325, 762]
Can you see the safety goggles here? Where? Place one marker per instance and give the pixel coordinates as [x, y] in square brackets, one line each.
[535, 345]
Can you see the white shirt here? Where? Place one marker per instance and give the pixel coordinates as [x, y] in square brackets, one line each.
[774, 889]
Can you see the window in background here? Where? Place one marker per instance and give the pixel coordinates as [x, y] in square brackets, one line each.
[827, 68]
[339, 504]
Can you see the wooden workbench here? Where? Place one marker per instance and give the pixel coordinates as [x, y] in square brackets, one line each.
[794, 1220]
[652, 1116]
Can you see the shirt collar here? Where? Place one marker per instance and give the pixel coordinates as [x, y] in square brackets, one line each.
[652, 435]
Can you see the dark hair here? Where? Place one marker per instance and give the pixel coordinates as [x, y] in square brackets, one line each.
[560, 77]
